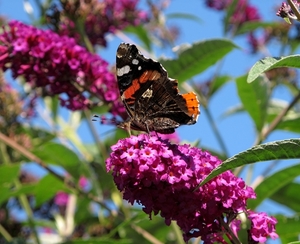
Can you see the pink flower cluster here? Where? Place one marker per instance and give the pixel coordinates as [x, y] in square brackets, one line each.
[285, 11]
[162, 177]
[60, 66]
[262, 226]
[104, 17]
[243, 12]
[116, 15]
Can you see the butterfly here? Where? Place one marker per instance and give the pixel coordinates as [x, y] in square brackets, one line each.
[152, 99]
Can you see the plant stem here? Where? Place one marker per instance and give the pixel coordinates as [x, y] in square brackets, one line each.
[8, 141]
[277, 120]
[177, 232]
[233, 238]
[145, 234]
[264, 134]
[216, 131]
[84, 38]
[100, 145]
[26, 206]
[294, 8]
[5, 234]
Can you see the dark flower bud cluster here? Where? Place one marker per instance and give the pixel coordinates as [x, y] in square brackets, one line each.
[243, 11]
[100, 18]
[286, 10]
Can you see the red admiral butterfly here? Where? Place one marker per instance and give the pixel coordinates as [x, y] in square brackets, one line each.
[151, 98]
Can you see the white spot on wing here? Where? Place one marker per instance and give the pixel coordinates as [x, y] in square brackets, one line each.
[148, 93]
[124, 70]
[135, 61]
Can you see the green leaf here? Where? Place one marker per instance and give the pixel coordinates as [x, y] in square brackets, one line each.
[100, 241]
[287, 20]
[255, 98]
[39, 135]
[290, 122]
[229, 11]
[233, 110]
[5, 193]
[194, 59]
[288, 196]
[17, 241]
[249, 26]
[105, 180]
[24, 189]
[273, 184]
[8, 173]
[285, 149]
[58, 154]
[288, 228]
[184, 16]
[141, 33]
[53, 104]
[47, 188]
[268, 63]
[217, 83]
[99, 109]
[83, 212]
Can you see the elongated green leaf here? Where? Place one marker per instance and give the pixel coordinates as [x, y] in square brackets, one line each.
[285, 149]
[24, 189]
[18, 240]
[268, 63]
[99, 241]
[288, 228]
[141, 33]
[39, 135]
[274, 183]
[45, 223]
[228, 15]
[52, 103]
[217, 83]
[288, 196]
[253, 25]
[48, 186]
[232, 111]
[290, 121]
[196, 58]
[8, 173]
[255, 98]
[58, 154]
[184, 16]
[5, 193]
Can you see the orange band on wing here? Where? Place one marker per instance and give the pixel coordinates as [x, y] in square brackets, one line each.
[192, 104]
[149, 75]
[129, 92]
